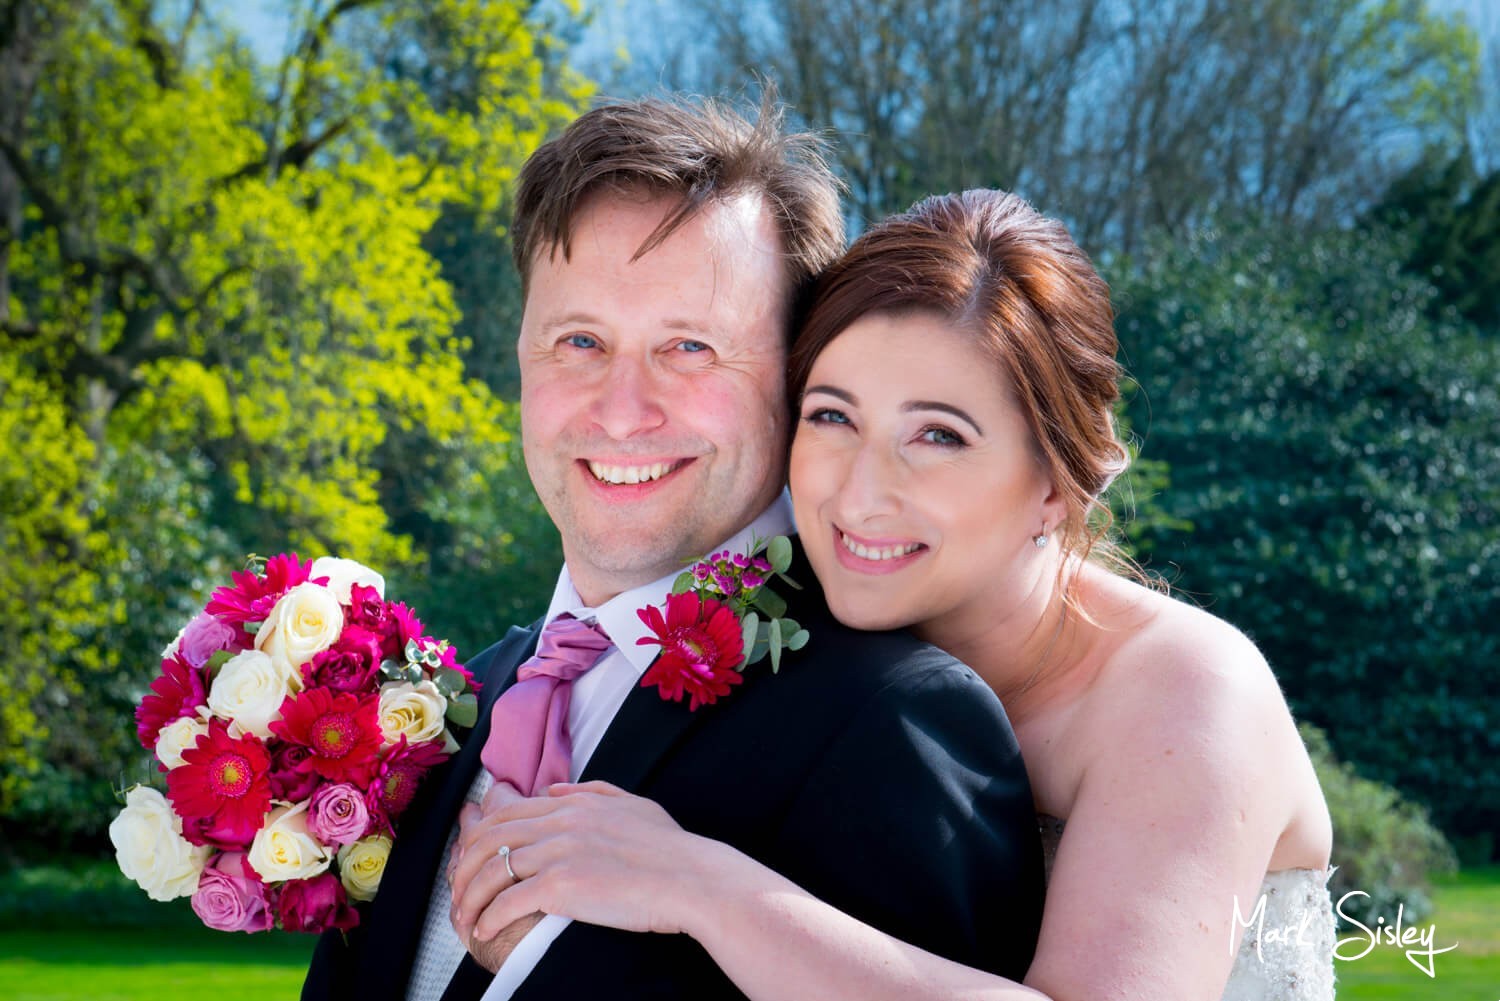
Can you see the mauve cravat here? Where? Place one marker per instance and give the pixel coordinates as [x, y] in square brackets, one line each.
[529, 745]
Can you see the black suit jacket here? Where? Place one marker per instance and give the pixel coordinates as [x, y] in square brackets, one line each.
[873, 769]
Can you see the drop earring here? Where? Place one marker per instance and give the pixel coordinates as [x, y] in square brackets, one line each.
[1040, 541]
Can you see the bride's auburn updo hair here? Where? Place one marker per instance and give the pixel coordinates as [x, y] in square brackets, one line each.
[993, 266]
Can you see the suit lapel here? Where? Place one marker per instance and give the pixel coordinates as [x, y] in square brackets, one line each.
[395, 922]
[642, 731]
[647, 725]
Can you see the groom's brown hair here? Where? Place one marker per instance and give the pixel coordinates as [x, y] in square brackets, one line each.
[700, 152]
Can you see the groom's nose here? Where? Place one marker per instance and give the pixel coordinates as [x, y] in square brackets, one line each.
[628, 398]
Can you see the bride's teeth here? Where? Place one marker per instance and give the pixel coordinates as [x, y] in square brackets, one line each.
[876, 555]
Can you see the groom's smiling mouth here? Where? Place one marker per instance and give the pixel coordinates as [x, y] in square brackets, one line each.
[619, 474]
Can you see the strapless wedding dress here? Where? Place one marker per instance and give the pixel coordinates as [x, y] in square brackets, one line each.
[1287, 956]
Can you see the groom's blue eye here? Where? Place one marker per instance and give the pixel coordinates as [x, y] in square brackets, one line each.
[583, 341]
[692, 347]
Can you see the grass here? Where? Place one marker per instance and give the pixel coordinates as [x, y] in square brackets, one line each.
[147, 964]
[86, 933]
[1467, 912]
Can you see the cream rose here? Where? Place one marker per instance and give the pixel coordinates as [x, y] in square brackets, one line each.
[283, 849]
[305, 622]
[176, 737]
[343, 575]
[414, 710]
[248, 692]
[361, 865]
[150, 848]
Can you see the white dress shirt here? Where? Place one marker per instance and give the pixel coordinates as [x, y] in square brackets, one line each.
[597, 697]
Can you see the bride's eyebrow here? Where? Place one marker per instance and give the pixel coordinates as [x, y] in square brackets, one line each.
[946, 408]
[833, 391]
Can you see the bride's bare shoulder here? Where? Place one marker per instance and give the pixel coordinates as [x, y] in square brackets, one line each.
[1186, 670]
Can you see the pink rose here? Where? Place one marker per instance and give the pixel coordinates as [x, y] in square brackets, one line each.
[316, 905]
[230, 898]
[337, 814]
[290, 782]
[207, 635]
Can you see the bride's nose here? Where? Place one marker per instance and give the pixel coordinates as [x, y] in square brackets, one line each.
[871, 486]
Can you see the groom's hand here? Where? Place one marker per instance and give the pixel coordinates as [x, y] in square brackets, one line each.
[484, 871]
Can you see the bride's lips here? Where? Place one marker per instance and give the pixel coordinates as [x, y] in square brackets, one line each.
[880, 556]
[629, 480]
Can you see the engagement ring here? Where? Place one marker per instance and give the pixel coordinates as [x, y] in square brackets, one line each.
[504, 852]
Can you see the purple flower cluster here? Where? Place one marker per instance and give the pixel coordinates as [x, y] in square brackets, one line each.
[728, 574]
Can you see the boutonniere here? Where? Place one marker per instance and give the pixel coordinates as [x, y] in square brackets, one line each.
[721, 617]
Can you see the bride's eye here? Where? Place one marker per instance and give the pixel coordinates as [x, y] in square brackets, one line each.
[936, 434]
[826, 415]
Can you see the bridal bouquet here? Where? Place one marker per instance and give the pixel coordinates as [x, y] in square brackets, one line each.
[293, 718]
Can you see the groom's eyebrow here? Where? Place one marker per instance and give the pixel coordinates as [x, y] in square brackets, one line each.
[945, 408]
[573, 319]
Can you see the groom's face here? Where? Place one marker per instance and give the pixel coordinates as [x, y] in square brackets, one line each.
[652, 390]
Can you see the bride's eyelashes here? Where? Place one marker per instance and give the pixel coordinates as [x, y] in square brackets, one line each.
[827, 415]
[936, 434]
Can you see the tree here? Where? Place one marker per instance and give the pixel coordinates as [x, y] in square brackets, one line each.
[1336, 450]
[221, 299]
[1125, 116]
[1451, 217]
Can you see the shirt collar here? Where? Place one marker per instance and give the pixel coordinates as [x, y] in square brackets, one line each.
[618, 615]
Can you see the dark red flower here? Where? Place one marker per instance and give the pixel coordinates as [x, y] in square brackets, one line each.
[222, 791]
[701, 646]
[178, 691]
[315, 905]
[253, 595]
[290, 781]
[349, 665]
[342, 731]
[369, 610]
[396, 778]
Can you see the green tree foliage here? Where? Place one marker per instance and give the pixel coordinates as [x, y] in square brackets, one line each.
[1451, 216]
[1383, 846]
[1336, 450]
[221, 309]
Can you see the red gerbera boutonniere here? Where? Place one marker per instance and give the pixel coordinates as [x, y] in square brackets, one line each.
[713, 627]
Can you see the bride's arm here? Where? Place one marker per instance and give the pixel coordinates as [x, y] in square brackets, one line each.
[1172, 828]
[597, 854]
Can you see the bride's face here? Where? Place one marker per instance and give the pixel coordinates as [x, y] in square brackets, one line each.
[916, 486]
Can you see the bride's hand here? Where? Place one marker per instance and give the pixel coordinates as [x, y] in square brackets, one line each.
[590, 852]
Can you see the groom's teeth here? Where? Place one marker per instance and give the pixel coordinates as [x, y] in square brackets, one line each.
[885, 553]
[616, 475]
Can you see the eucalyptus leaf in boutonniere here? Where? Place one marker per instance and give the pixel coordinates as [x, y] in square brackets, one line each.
[721, 617]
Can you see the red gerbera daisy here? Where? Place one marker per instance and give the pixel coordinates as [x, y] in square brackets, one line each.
[253, 595]
[701, 646]
[396, 778]
[177, 692]
[342, 732]
[222, 791]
